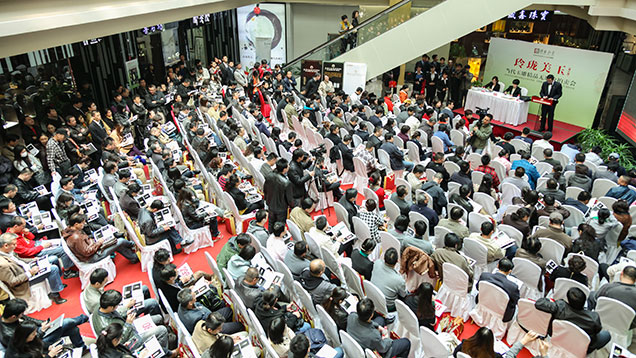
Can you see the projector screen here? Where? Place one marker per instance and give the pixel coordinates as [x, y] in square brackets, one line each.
[627, 123]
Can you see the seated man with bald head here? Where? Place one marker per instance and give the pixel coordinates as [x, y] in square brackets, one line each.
[316, 282]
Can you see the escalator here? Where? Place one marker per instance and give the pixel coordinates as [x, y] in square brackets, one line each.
[401, 33]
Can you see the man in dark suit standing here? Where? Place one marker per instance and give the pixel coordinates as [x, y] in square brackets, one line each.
[550, 89]
[431, 84]
[500, 279]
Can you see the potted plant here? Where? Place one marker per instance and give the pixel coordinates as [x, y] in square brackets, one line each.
[590, 138]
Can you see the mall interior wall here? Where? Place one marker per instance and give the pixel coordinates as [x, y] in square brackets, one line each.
[310, 25]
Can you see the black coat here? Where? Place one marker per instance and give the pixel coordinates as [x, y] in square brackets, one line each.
[98, 134]
[515, 92]
[555, 92]
[298, 179]
[361, 264]
[278, 193]
[347, 156]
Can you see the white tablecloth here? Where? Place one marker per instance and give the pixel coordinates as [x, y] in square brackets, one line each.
[504, 108]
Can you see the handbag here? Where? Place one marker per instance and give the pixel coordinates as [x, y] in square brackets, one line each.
[316, 338]
[211, 300]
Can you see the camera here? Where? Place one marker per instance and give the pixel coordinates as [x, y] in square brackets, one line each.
[318, 151]
[481, 112]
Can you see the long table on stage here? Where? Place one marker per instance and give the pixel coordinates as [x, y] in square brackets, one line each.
[504, 108]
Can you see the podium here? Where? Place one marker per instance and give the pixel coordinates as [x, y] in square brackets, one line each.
[541, 100]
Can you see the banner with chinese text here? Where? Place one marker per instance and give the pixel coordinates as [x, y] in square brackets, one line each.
[334, 71]
[582, 74]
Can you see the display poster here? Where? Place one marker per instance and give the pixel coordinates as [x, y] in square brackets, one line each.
[582, 74]
[334, 70]
[354, 76]
[261, 31]
[308, 68]
[627, 122]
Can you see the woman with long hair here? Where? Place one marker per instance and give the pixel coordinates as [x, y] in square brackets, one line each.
[108, 342]
[240, 198]
[222, 348]
[280, 336]
[26, 343]
[375, 184]
[621, 213]
[557, 174]
[188, 203]
[333, 306]
[486, 187]
[587, 242]
[422, 303]
[480, 345]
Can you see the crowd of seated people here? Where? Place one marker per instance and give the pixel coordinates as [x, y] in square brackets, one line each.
[226, 120]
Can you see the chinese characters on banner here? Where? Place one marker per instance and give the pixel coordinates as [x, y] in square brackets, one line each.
[92, 41]
[201, 19]
[531, 15]
[582, 73]
[152, 29]
[533, 69]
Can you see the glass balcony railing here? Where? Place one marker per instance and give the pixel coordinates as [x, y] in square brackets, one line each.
[366, 31]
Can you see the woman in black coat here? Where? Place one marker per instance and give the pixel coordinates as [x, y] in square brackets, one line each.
[108, 342]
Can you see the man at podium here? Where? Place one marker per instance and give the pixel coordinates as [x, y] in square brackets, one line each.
[551, 91]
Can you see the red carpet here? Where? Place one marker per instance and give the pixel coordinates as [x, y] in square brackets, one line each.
[127, 273]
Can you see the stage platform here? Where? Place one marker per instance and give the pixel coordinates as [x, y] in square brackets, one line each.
[562, 133]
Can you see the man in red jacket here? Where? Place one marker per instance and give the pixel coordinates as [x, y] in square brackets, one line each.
[28, 248]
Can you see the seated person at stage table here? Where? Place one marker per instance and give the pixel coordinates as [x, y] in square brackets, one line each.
[494, 84]
[514, 89]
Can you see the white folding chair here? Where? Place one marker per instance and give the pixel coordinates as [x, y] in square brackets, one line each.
[551, 250]
[512, 232]
[451, 167]
[474, 159]
[616, 317]
[432, 345]
[288, 279]
[370, 194]
[453, 292]
[437, 144]
[509, 191]
[520, 145]
[239, 218]
[329, 327]
[440, 234]
[392, 210]
[307, 303]
[331, 262]
[573, 192]
[378, 298]
[562, 285]
[341, 214]
[543, 167]
[576, 216]
[478, 252]
[402, 181]
[361, 230]
[485, 200]
[452, 186]
[387, 241]
[490, 309]
[530, 318]
[350, 346]
[600, 187]
[255, 323]
[214, 267]
[568, 340]
[475, 220]
[313, 246]
[85, 269]
[407, 326]
[354, 280]
[477, 176]
[530, 274]
[591, 269]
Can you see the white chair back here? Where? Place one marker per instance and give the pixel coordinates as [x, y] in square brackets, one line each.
[530, 274]
[568, 340]
[306, 301]
[600, 187]
[354, 280]
[572, 192]
[551, 250]
[509, 191]
[562, 285]
[616, 317]
[490, 309]
[432, 345]
[475, 220]
[350, 346]
[407, 326]
[478, 252]
[328, 326]
[487, 201]
[512, 232]
[392, 210]
[341, 214]
[437, 144]
[576, 216]
[378, 298]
